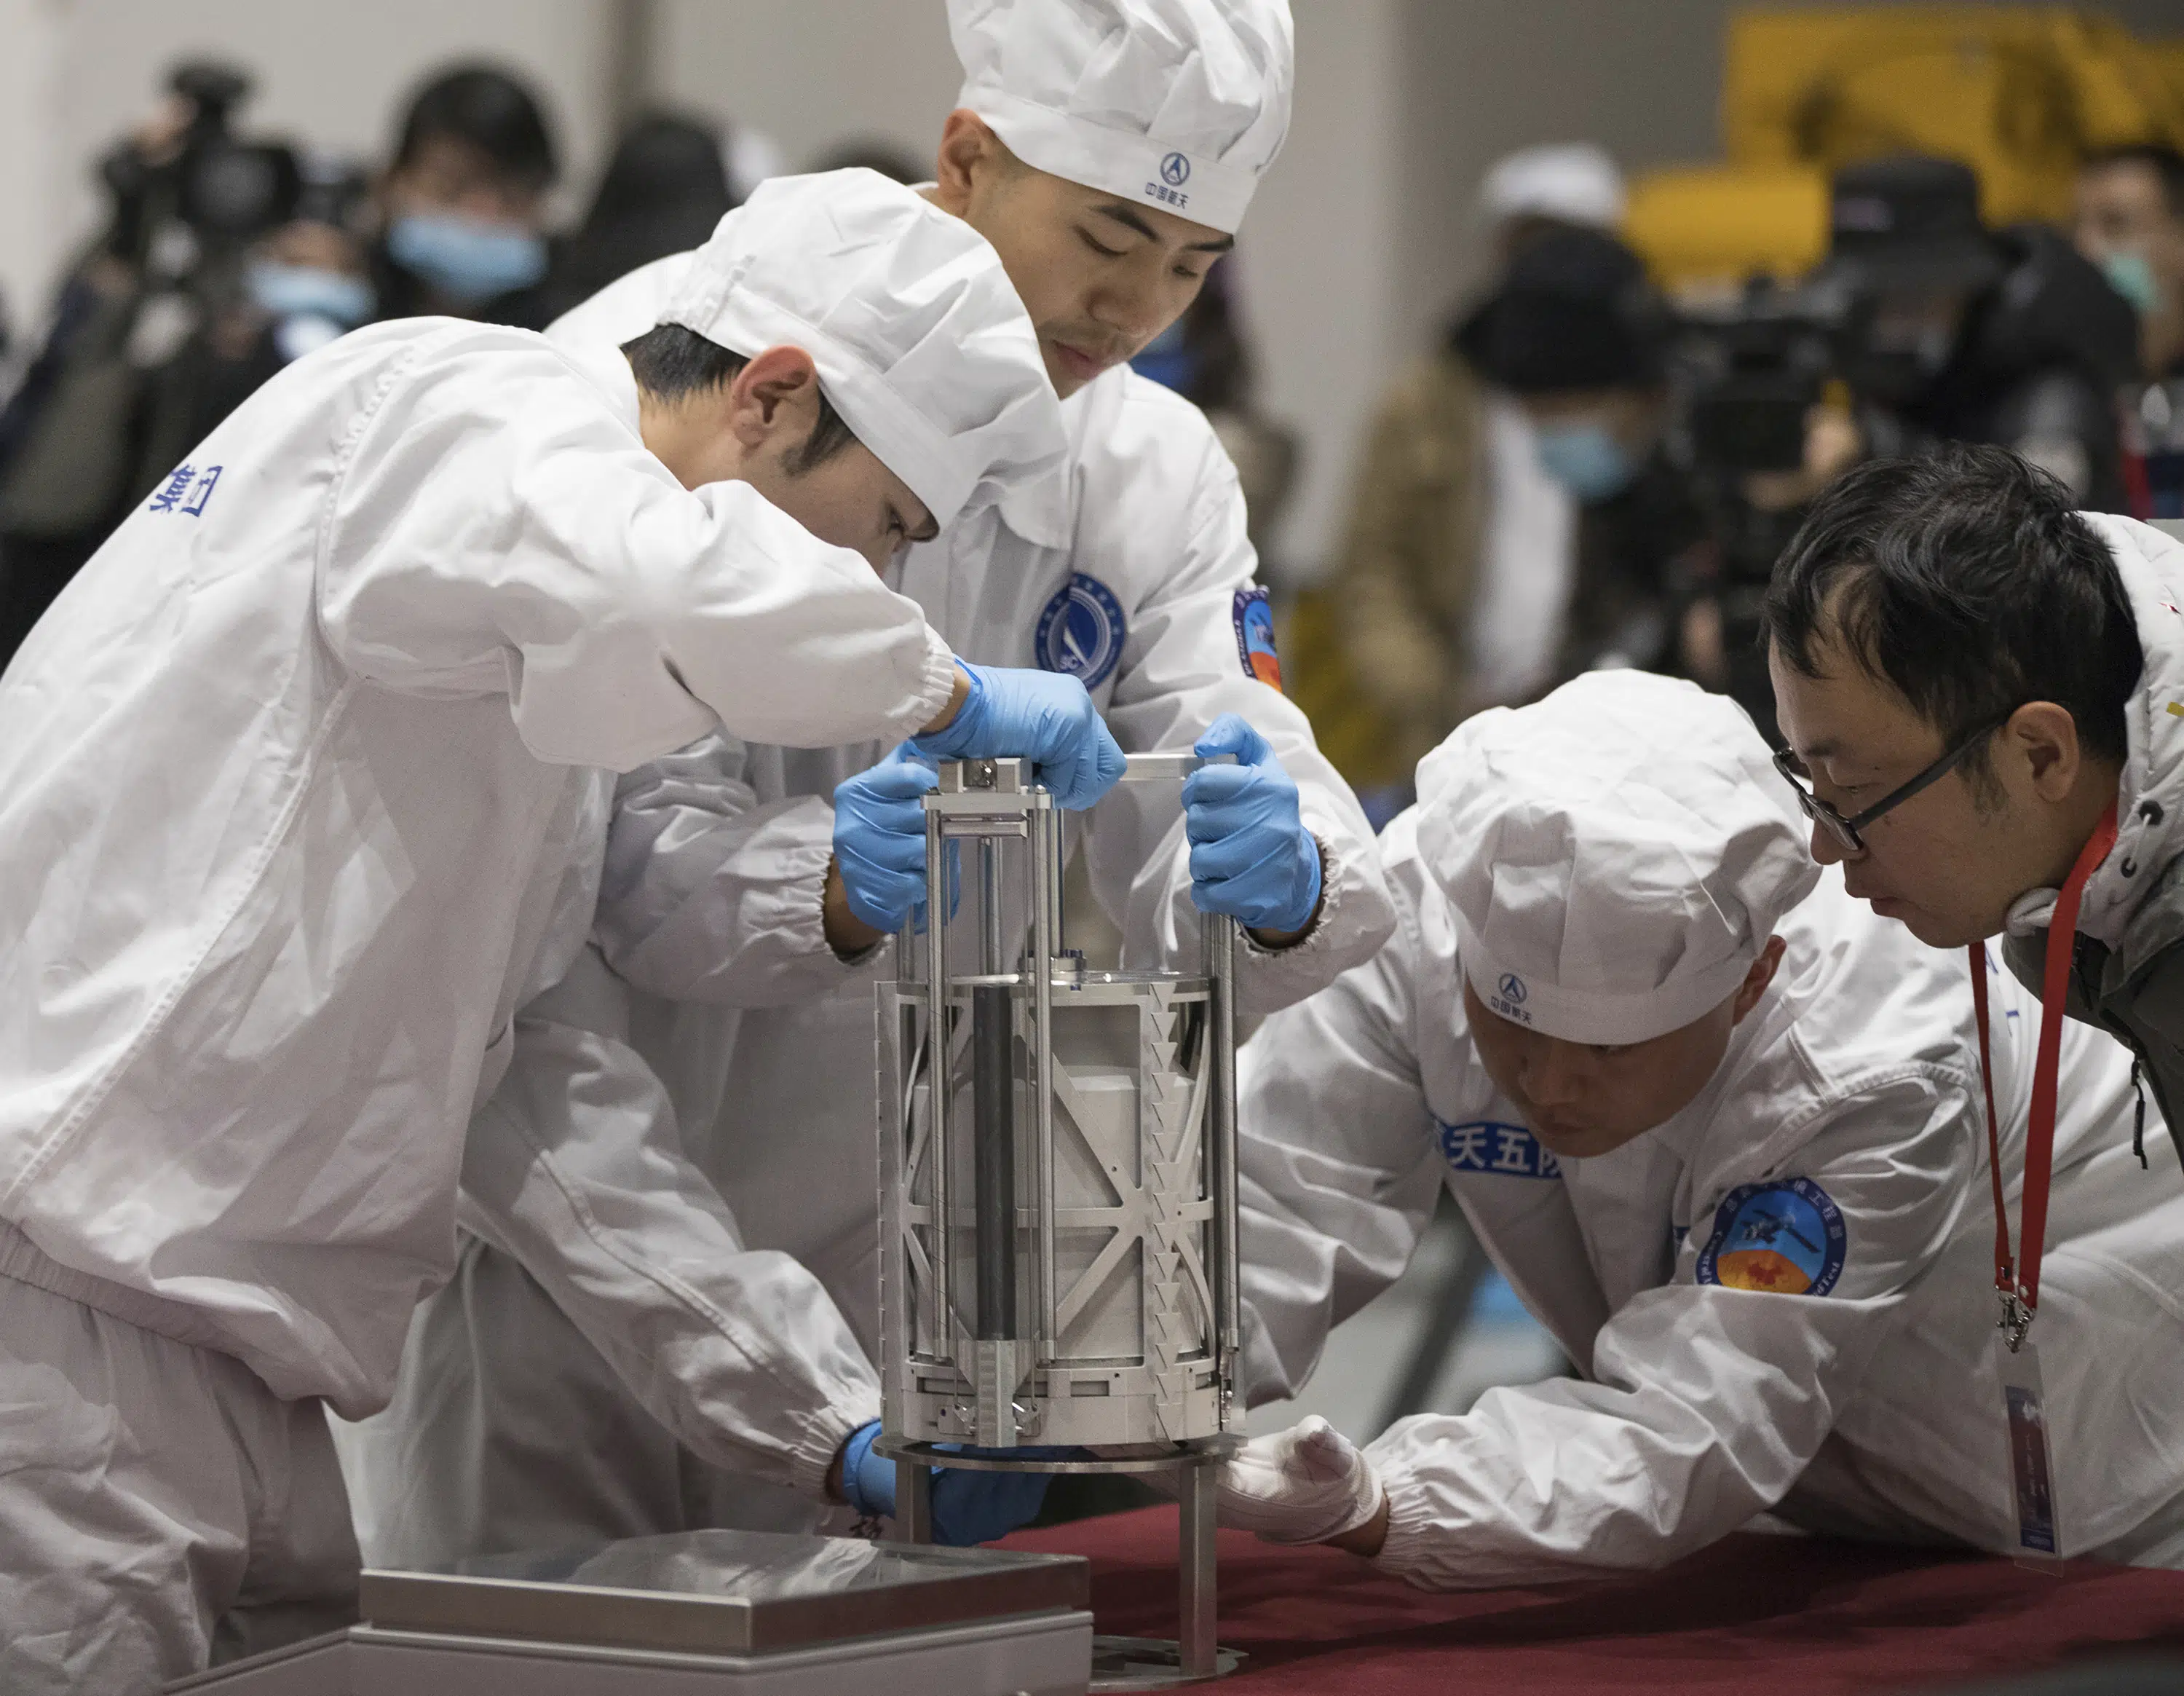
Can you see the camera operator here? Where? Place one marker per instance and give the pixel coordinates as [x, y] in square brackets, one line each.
[1960, 333]
[303, 284]
[1454, 525]
[1576, 336]
[1921, 327]
[89, 429]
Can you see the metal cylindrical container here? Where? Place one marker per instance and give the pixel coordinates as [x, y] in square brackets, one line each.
[1056, 1159]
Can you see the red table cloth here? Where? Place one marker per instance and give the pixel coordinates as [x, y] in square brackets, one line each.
[1781, 1615]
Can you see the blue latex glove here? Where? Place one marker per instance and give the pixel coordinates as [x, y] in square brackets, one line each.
[1251, 855]
[968, 1507]
[879, 840]
[1040, 715]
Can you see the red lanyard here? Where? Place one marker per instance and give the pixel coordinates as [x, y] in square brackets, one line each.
[2018, 1284]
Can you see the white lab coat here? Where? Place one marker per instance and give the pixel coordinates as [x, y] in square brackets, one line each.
[289, 778]
[763, 1038]
[1872, 1409]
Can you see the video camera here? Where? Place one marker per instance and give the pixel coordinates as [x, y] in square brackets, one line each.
[222, 191]
[1746, 377]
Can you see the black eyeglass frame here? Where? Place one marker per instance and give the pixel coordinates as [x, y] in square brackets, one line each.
[1846, 830]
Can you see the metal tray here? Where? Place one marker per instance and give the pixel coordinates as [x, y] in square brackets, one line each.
[722, 1592]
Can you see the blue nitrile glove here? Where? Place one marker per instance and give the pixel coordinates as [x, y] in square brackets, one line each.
[1251, 855]
[968, 1507]
[879, 840]
[1042, 717]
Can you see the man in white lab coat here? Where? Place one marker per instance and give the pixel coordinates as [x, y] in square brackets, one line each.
[613, 1363]
[294, 781]
[1722, 1127]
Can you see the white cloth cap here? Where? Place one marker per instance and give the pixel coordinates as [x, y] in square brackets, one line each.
[1573, 183]
[920, 342]
[1179, 103]
[1617, 855]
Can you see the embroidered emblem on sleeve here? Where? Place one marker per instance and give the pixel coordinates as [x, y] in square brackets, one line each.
[1786, 1238]
[1254, 617]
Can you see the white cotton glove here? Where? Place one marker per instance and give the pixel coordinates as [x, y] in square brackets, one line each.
[1303, 1484]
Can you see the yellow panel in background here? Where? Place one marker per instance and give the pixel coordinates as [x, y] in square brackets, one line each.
[2017, 93]
[1704, 225]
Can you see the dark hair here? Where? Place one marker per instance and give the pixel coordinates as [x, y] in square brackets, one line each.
[876, 153]
[1967, 582]
[662, 193]
[492, 111]
[670, 361]
[2166, 163]
[1574, 312]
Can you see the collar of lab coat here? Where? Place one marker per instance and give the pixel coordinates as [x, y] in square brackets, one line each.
[1039, 510]
[604, 366]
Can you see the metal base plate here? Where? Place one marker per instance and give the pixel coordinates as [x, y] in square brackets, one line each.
[1151, 1664]
[1203, 1452]
[1039, 1654]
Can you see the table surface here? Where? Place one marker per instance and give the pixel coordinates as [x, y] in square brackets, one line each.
[1782, 1615]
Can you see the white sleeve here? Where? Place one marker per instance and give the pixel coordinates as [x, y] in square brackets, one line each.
[1337, 1173]
[709, 895]
[575, 1167]
[1180, 671]
[1707, 1402]
[494, 528]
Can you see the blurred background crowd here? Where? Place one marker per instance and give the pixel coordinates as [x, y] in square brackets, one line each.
[1547, 327]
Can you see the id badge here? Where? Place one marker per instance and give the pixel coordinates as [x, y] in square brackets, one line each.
[2032, 1468]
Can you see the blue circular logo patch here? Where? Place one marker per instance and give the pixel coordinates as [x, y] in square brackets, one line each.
[1175, 170]
[1081, 631]
[1786, 1238]
[1513, 988]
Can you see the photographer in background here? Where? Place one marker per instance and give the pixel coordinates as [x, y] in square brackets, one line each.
[302, 283]
[463, 203]
[1958, 333]
[1515, 523]
[93, 424]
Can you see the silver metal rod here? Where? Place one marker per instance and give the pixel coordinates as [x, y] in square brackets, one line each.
[913, 1502]
[990, 961]
[939, 1076]
[993, 1159]
[1221, 1153]
[1045, 942]
[1197, 1642]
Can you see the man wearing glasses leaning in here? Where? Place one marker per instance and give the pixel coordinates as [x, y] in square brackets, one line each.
[1982, 691]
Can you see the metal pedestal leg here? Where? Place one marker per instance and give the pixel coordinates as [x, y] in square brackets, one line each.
[913, 1502]
[1195, 1656]
[1196, 1570]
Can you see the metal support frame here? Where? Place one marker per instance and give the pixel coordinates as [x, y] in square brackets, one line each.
[978, 1339]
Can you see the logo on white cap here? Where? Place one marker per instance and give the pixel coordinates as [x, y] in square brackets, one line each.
[1510, 992]
[1175, 170]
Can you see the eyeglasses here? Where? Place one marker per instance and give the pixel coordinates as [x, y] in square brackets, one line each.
[1846, 830]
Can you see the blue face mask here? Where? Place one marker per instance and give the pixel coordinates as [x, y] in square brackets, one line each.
[2133, 277]
[291, 291]
[467, 258]
[1586, 460]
